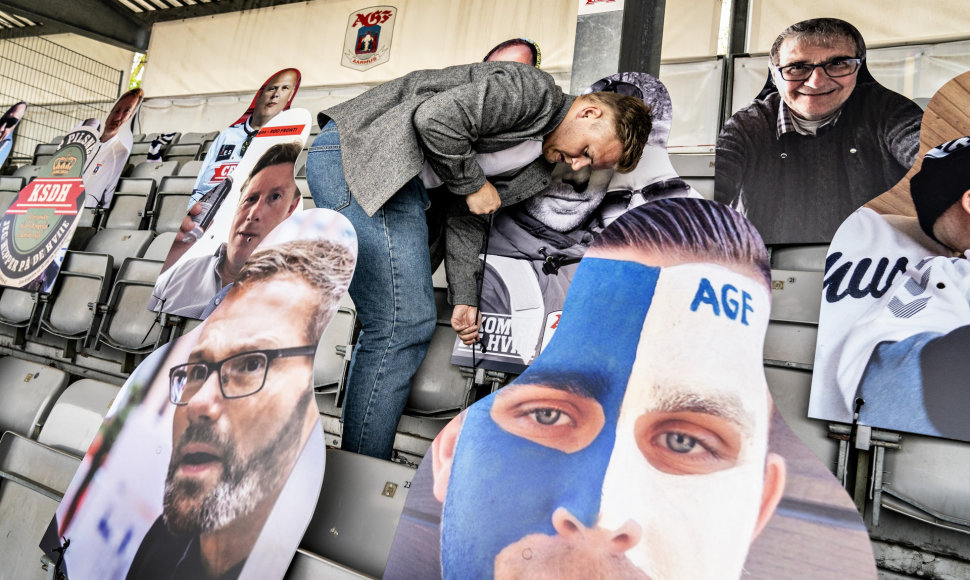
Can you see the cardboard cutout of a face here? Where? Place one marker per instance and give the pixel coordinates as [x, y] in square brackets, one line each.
[104, 168]
[8, 123]
[227, 151]
[38, 225]
[894, 313]
[637, 444]
[534, 246]
[213, 451]
[233, 219]
[811, 149]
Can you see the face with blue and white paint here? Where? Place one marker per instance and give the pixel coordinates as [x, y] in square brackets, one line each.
[634, 447]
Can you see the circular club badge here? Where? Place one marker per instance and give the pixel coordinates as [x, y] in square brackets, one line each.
[41, 220]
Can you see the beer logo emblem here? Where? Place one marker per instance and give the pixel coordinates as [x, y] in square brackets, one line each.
[62, 165]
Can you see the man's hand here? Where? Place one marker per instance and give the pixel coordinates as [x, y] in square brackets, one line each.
[187, 224]
[465, 320]
[484, 201]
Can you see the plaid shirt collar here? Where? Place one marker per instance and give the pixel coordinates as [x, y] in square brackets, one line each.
[785, 123]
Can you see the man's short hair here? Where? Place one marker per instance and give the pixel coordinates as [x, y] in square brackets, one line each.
[324, 265]
[692, 229]
[632, 122]
[275, 155]
[530, 44]
[820, 32]
[138, 93]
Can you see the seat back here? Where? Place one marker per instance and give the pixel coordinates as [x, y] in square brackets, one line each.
[358, 538]
[127, 211]
[128, 325]
[27, 393]
[120, 244]
[697, 169]
[33, 478]
[169, 212]
[77, 415]
[81, 285]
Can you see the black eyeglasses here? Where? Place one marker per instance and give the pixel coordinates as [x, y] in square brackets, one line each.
[240, 375]
[835, 68]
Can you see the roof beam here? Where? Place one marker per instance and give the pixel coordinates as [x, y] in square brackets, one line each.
[95, 19]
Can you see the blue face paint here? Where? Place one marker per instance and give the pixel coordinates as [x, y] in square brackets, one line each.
[504, 487]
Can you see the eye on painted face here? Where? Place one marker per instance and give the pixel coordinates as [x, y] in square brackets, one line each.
[819, 95]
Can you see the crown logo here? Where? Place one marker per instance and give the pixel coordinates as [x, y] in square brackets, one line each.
[62, 165]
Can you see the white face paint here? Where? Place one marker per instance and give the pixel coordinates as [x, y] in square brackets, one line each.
[689, 460]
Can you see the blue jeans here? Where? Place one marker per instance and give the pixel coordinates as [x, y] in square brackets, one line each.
[392, 292]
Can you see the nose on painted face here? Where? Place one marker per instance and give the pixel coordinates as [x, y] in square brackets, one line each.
[609, 541]
[207, 401]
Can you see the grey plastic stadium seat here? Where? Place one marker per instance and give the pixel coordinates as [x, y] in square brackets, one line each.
[127, 324]
[697, 169]
[27, 393]
[808, 258]
[160, 246]
[796, 295]
[301, 164]
[197, 138]
[301, 184]
[358, 538]
[790, 389]
[791, 343]
[169, 212]
[12, 183]
[183, 152]
[77, 415]
[333, 352]
[18, 309]
[309, 566]
[928, 482]
[33, 478]
[6, 199]
[28, 172]
[190, 168]
[120, 244]
[177, 184]
[155, 170]
[438, 388]
[81, 290]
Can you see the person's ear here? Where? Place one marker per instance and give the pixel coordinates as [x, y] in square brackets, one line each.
[774, 488]
[297, 200]
[589, 112]
[443, 455]
[965, 201]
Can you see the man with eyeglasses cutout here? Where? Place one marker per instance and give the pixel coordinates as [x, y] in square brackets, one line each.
[245, 411]
[822, 139]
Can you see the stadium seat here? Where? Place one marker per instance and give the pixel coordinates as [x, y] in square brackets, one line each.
[160, 246]
[127, 324]
[182, 152]
[796, 295]
[18, 309]
[438, 388]
[190, 168]
[12, 183]
[120, 244]
[155, 170]
[333, 352]
[358, 511]
[77, 415]
[28, 390]
[33, 478]
[309, 566]
[6, 199]
[74, 308]
[808, 258]
[43, 153]
[301, 164]
[169, 212]
[128, 210]
[177, 184]
[697, 170]
[28, 172]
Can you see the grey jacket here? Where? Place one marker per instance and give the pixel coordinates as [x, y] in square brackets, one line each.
[446, 116]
